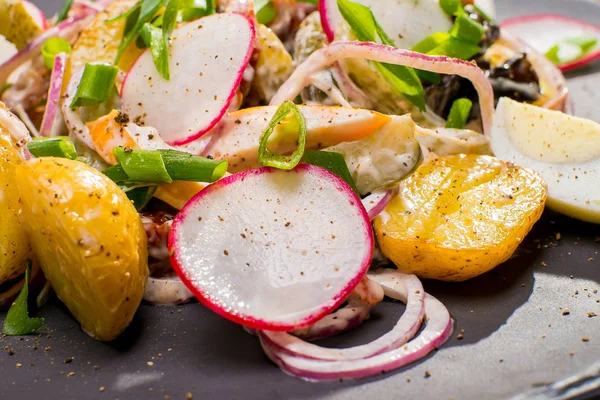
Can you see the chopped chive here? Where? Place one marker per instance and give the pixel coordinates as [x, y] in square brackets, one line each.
[52, 147]
[467, 29]
[142, 166]
[266, 156]
[264, 10]
[64, 11]
[459, 113]
[186, 167]
[95, 86]
[332, 161]
[451, 7]
[52, 47]
[17, 321]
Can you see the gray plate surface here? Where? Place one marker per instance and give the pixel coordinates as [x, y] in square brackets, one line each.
[515, 337]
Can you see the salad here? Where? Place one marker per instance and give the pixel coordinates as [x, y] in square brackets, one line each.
[288, 164]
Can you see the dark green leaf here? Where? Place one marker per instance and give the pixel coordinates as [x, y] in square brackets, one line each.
[64, 11]
[332, 161]
[116, 173]
[17, 320]
[459, 114]
[456, 48]
[431, 42]
[266, 156]
[147, 11]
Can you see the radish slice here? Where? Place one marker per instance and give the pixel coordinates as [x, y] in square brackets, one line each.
[437, 331]
[37, 15]
[207, 61]
[64, 30]
[377, 201]
[555, 28]
[409, 290]
[52, 117]
[407, 22]
[326, 56]
[272, 249]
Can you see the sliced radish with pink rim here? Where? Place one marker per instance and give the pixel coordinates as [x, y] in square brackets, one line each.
[207, 61]
[52, 116]
[406, 22]
[554, 28]
[272, 249]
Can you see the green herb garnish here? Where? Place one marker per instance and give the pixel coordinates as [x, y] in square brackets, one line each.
[64, 11]
[366, 29]
[266, 156]
[467, 30]
[17, 320]
[96, 85]
[52, 47]
[459, 113]
[264, 10]
[332, 161]
[451, 7]
[571, 49]
[194, 9]
[60, 147]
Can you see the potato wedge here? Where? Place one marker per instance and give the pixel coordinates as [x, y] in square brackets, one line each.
[460, 216]
[89, 240]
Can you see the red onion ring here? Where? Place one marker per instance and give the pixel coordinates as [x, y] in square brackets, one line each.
[366, 295]
[52, 117]
[376, 202]
[436, 332]
[64, 29]
[407, 287]
[328, 55]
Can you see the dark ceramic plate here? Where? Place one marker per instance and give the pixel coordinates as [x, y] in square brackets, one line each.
[516, 339]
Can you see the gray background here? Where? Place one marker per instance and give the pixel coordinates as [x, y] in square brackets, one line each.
[515, 336]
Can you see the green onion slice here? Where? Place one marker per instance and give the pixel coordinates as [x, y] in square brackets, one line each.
[169, 18]
[52, 47]
[142, 166]
[264, 10]
[159, 48]
[266, 156]
[194, 9]
[163, 166]
[451, 7]
[139, 195]
[467, 29]
[571, 49]
[64, 11]
[367, 29]
[96, 85]
[459, 113]
[332, 161]
[52, 147]
[17, 320]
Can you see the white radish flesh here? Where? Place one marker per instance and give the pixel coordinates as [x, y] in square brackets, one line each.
[273, 249]
[207, 61]
[406, 22]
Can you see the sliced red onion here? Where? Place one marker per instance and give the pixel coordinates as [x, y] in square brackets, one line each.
[352, 92]
[376, 202]
[358, 308]
[546, 70]
[64, 30]
[166, 291]
[326, 56]
[406, 287]
[52, 117]
[437, 330]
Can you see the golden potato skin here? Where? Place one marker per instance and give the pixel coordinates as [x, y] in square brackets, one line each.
[14, 245]
[460, 216]
[89, 239]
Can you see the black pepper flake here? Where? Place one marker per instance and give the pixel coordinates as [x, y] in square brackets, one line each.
[122, 118]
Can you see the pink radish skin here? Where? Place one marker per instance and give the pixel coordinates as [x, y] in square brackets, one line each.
[326, 56]
[37, 15]
[52, 116]
[307, 252]
[207, 61]
[560, 25]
